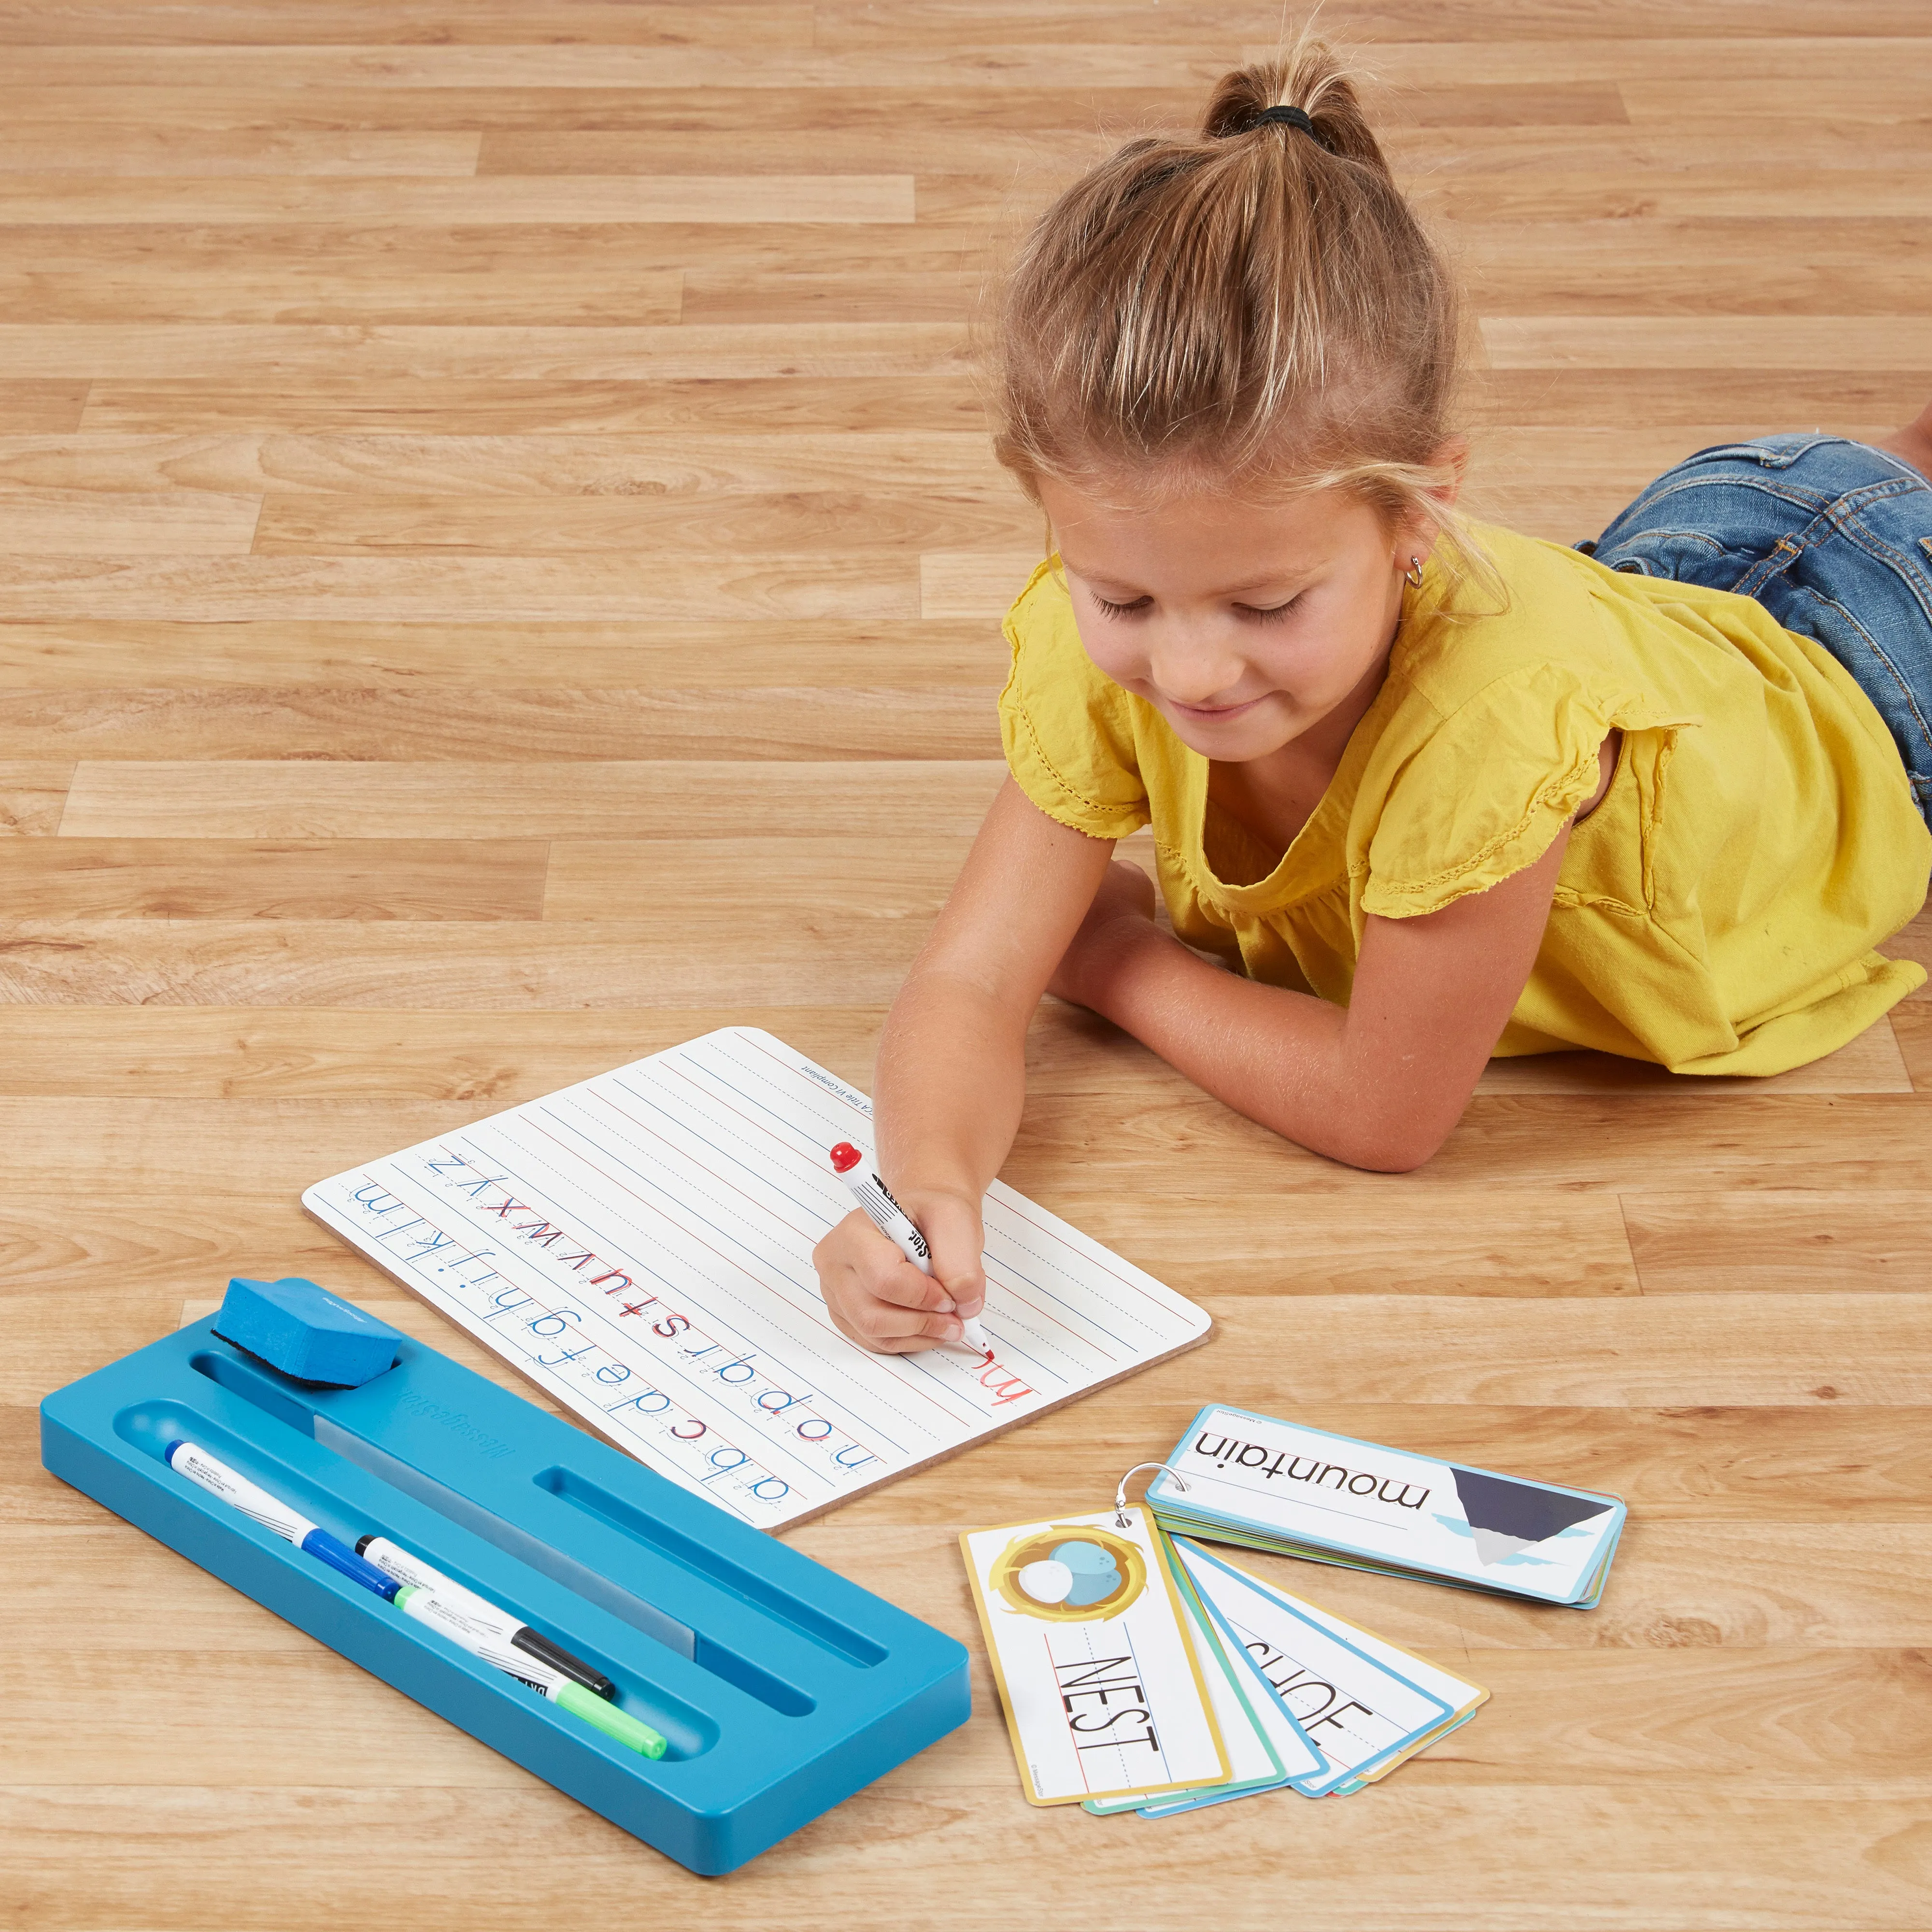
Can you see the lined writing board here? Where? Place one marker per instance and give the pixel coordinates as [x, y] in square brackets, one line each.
[640, 1246]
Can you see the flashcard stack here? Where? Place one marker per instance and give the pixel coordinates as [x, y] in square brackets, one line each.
[1143, 1673]
[1252, 1480]
[1103, 1686]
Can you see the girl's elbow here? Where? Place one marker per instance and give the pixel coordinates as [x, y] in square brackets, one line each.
[1393, 1141]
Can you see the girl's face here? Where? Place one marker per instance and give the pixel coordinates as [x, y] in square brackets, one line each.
[1244, 625]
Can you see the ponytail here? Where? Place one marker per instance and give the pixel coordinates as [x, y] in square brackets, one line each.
[1254, 309]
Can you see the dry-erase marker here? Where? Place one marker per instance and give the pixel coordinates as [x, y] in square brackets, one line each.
[272, 1513]
[892, 1221]
[472, 1634]
[503, 1628]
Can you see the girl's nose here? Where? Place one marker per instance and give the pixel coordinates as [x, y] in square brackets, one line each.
[1196, 671]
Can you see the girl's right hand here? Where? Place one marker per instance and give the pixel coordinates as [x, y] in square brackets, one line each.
[879, 1299]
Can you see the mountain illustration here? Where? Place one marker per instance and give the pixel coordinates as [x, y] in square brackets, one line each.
[1505, 1516]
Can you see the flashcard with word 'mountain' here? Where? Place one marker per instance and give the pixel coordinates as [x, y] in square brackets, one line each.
[1091, 1649]
[1277, 1486]
[640, 1246]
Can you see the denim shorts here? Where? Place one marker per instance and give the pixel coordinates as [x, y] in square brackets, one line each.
[1833, 537]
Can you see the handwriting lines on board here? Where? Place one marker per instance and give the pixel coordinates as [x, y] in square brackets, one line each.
[640, 1246]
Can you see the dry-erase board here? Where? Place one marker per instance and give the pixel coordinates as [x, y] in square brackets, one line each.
[640, 1246]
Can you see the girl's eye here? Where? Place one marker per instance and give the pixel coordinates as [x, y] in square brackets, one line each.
[1107, 610]
[1274, 615]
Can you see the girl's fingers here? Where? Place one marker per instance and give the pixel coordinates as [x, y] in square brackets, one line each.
[875, 1296]
[886, 1328]
[957, 1237]
[926, 1332]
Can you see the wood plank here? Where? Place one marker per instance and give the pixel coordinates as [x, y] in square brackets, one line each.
[1497, 1241]
[369, 288]
[799, 884]
[592, 799]
[194, 879]
[587, 721]
[1831, 342]
[644, 464]
[853, 524]
[279, 352]
[82, 654]
[57, 1338]
[1801, 1242]
[40, 408]
[111, 147]
[1794, 1717]
[1914, 942]
[484, 966]
[64, 198]
[941, 403]
[1771, 190]
[33, 793]
[1671, 1855]
[1712, 405]
[81, 523]
[1746, 1142]
[591, 586]
[939, 24]
[980, 584]
[210, 1053]
[1084, 61]
[1872, 1064]
[1912, 1025]
[303, 23]
[1689, 266]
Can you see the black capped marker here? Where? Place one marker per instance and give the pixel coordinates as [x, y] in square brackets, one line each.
[500, 1625]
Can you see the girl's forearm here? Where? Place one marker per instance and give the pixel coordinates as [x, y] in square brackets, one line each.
[1280, 1057]
[950, 1085]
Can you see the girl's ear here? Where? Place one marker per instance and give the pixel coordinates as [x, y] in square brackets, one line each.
[1452, 456]
[1420, 530]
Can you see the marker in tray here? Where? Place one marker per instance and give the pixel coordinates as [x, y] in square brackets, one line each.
[502, 1627]
[467, 1620]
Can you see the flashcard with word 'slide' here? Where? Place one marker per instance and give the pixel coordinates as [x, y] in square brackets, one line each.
[1103, 1692]
[1365, 1704]
[1277, 1485]
[1266, 1747]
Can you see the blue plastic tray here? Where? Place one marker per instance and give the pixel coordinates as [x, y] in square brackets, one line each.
[781, 1687]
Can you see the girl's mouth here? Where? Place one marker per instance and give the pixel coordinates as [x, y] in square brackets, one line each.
[1213, 714]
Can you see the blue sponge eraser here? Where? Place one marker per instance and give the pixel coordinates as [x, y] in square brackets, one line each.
[306, 1332]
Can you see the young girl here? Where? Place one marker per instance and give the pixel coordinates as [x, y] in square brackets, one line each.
[1420, 793]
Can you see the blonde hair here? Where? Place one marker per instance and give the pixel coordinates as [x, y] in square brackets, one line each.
[1253, 309]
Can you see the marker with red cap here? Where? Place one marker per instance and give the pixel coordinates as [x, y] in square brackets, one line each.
[892, 1221]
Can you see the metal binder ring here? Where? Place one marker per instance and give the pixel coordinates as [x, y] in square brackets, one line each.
[1120, 1494]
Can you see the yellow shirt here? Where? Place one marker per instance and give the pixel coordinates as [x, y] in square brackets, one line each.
[1715, 913]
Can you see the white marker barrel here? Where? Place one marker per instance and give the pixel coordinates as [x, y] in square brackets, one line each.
[254, 1502]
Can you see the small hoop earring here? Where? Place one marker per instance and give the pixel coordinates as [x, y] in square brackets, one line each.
[1412, 576]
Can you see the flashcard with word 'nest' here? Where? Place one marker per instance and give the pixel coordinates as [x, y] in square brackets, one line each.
[1103, 1691]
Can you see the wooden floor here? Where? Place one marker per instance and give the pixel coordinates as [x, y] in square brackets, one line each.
[502, 570]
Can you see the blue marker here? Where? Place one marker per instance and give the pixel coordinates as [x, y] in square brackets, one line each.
[219, 1480]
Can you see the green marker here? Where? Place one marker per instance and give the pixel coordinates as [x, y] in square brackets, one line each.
[485, 1641]
[613, 1722]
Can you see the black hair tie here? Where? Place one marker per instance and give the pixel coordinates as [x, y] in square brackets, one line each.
[1286, 117]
